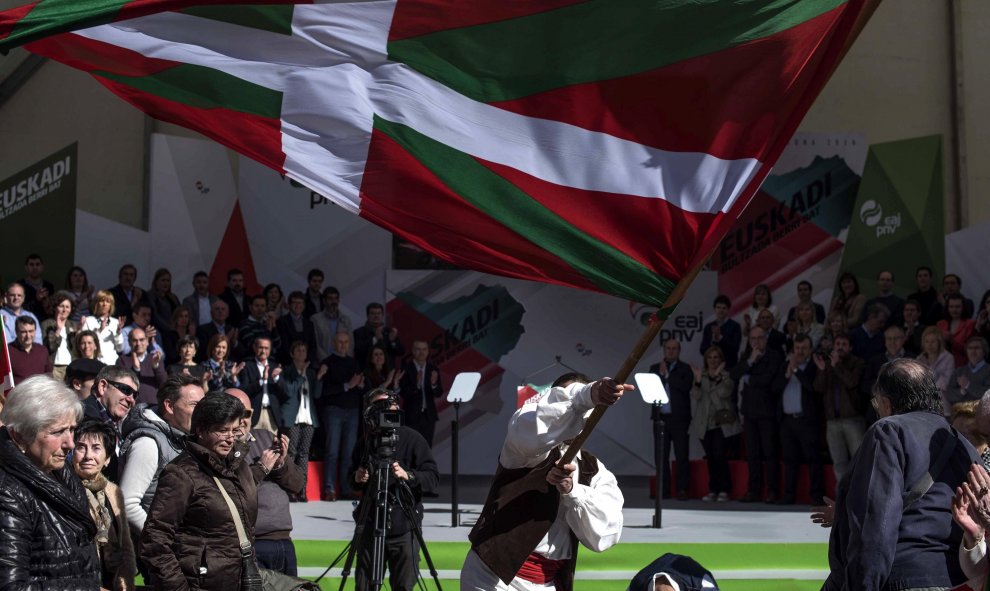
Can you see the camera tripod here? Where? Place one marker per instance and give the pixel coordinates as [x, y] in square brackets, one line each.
[377, 500]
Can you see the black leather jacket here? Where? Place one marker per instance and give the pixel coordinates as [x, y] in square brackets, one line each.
[46, 532]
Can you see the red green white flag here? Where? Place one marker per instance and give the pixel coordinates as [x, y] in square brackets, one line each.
[600, 144]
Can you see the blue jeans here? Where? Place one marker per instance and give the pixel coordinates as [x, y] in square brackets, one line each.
[278, 555]
[342, 433]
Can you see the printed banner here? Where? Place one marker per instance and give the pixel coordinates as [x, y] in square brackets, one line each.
[794, 228]
[38, 215]
[898, 216]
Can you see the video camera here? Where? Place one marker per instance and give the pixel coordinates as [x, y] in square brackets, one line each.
[382, 422]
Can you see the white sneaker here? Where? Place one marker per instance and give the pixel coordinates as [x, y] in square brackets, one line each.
[708, 498]
[722, 497]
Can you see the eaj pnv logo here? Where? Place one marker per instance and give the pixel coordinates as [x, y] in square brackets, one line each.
[871, 214]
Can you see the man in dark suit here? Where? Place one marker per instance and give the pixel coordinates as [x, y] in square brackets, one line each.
[36, 288]
[340, 414]
[237, 300]
[761, 374]
[146, 364]
[800, 423]
[200, 301]
[419, 386]
[126, 295]
[260, 381]
[677, 378]
[295, 326]
[375, 333]
[219, 312]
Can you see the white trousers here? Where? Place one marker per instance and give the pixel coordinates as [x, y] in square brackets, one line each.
[476, 576]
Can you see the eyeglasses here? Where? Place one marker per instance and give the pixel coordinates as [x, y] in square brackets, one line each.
[124, 388]
[227, 434]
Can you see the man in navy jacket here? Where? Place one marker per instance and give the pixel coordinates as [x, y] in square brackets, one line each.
[885, 536]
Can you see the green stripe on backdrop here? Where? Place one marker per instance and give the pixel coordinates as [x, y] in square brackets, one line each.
[274, 19]
[205, 88]
[611, 270]
[623, 557]
[591, 41]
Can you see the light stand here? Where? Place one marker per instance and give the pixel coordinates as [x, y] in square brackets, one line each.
[462, 390]
[653, 393]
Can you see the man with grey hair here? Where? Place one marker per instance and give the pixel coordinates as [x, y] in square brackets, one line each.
[893, 528]
[970, 381]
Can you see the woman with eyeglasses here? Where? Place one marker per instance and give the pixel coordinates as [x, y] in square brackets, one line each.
[190, 540]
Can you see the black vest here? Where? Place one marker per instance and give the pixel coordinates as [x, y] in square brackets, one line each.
[520, 509]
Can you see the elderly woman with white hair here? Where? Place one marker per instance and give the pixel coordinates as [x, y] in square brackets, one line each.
[46, 532]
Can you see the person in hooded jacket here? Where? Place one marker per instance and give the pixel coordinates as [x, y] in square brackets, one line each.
[46, 532]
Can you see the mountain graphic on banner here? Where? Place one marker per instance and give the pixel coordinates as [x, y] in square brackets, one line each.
[793, 222]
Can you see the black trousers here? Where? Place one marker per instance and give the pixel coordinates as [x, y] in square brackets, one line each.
[401, 557]
[719, 476]
[761, 437]
[675, 433]
[799, 437]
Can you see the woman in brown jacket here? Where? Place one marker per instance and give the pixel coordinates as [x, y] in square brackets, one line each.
[189, 540]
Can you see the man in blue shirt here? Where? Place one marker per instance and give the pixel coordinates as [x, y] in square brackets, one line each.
[800, 423]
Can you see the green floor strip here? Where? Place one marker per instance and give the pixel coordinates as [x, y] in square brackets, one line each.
[627, 557]
[737, 585]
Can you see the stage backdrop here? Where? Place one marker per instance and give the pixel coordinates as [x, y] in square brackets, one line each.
[205, 203]
[38, 214]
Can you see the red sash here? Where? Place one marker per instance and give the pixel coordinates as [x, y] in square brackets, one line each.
[540, 569]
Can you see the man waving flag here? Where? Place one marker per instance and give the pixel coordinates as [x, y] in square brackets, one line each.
[599, 144]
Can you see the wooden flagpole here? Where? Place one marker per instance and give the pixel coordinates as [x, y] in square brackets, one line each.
[638, 350]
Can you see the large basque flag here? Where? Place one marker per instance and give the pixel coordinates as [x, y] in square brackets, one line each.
[599, 144]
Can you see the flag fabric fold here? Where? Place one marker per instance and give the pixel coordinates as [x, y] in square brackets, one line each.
[599, 144]
[6, 373]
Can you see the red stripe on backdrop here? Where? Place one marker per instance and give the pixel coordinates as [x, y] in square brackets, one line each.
[413, 18]
[10, 18]
[401, 195]
[659, 235]
[728, 104]
[90, 55]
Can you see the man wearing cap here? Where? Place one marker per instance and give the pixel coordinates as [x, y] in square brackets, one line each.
[81, 374]
[526, 537]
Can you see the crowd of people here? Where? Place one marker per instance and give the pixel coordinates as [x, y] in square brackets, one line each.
[789, 381]
[304, 364]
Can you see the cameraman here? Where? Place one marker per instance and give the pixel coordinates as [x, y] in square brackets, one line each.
[412, 471]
